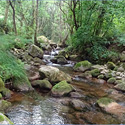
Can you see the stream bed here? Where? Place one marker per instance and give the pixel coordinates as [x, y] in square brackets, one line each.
[41, 108]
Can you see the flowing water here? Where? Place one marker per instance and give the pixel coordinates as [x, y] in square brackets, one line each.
[41, 108]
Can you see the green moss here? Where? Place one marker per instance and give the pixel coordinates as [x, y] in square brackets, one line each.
[4, 105]
[4, 118]
[95, 72]
[111, 80]
[101, 76]
[111, 65]
[105, 101]
[1, 83]
[84, 64]
[6, 92]
[121, 86]
[62, 88]
[0, 96]
[108, 75]
[1, 118]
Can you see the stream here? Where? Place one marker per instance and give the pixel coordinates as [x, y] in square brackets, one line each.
[41, 108]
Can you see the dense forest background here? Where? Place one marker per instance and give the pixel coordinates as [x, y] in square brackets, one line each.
[94, 30]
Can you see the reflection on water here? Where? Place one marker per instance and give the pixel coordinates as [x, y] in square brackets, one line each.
[39, 110]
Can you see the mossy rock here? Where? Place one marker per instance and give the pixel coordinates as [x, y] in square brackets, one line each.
[42, 39]
[44, 84]
[1, 83]
[86, 74]
[118, 82]
[82, 66]
[5, 120]
[0, 96]
[111, 80]
[95, 72]
[4, 105]
[35, 51]
[101, 76]
[103, 102]
[111, 65]
[108, 75]
[62, 88]
[122, 57]
[123, 65]
[121, 86]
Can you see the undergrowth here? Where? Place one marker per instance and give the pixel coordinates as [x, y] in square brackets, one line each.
[11, 67]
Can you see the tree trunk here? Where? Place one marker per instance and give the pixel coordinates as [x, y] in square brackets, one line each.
[36, 23]
[14, 21]
[6, 12]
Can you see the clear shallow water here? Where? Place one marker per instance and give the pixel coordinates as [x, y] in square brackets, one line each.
[32, 108]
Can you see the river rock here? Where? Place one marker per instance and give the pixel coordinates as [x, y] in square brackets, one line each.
[1, 84]
[111, 65]
[53, 74]
[43, 84]
[77, 104]
[76, 95]
[24, 85]
[0, 96]
[4, 120]
[74, 58]
[111, 80]
[112, 107]
[95, 72]
[122, 56]
[121, 86]
[82, 66]
[4, 105]
[61, 89]
[61, 60]
[35, 51]
[4, 91]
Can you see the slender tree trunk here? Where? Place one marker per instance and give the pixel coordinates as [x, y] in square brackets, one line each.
[6, 12]
[14, 21]
[36, 23]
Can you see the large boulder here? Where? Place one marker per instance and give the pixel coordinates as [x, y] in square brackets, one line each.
[112, 107]
[4, 120]
[35, 51]
[53, 74]
[43, 84]
[82, 66]
[61, 89]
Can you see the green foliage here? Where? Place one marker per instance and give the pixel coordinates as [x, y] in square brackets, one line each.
[4, 28]
[100, 24]
[10, 67]
[11, 41]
